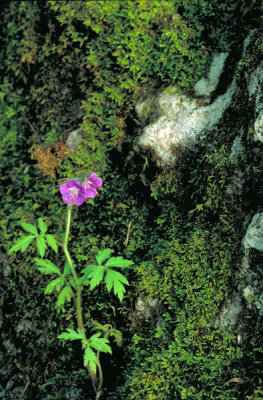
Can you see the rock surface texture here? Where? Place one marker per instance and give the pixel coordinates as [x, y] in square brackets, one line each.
[255, 84]
[177, 120]
[250, 274]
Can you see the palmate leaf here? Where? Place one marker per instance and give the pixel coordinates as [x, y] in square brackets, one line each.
[116, 280]
[29, 228]
[21, 244]
[119, 262]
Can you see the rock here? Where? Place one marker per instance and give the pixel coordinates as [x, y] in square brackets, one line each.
[146, 308]
[74, 139]
[254, 235]
[238, 151]
[250, 285]
[249, 274]
[204, 87]
[176, 120]
[182, 120]
[230, 313]
[255, 82]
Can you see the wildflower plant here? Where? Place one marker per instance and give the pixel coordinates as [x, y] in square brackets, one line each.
[69, 283]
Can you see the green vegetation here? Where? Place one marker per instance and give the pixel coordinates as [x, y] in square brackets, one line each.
[67, 64]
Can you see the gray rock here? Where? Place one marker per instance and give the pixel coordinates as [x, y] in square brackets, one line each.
[255, 83]
[182, 120]
[176, 120]
[205, 86]
[250, 285]
[74, 139]
[146, 308]
[230, 313]
[254, 235]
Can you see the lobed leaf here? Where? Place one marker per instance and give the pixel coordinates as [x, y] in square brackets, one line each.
[64, 295]
[90, 359]
[47, 267]
[100, 343]
[115, 279]
[88, 270]
[103, 255]
[27, 243]
[21, 244]
[96, 276]
[72, 335]
[54, 284]
[118, 262]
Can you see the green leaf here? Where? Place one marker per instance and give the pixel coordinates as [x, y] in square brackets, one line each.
[98, 325]
[41, 245]
[96, 276]
[54, 284]
[100, 343]
[103, 255]
[115, 279]
[67, 270]
[88, 270]
[117, 336]
[51, 241]
[47, 267]
[90, 359]
[29, 228]
[21, 244]
[26, 244]
[42, 226]
[118, 262]
[64, 295]
[72, 335]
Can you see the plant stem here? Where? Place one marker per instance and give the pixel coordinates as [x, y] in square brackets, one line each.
[97, 387]
[76, 280]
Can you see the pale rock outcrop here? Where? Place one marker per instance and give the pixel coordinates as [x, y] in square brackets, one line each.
[205, 86]
[181, 119]
[250, 285]
[230, 313]
[255, 84]
[74, 139]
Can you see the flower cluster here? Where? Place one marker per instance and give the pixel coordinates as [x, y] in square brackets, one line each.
[74, 193]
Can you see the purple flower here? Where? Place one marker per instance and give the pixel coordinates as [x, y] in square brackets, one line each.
[72, 192]
[90, 185]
